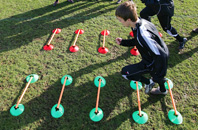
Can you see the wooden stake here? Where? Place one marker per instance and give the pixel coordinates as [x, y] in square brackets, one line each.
[61, 94]
[23, 92]
[76, 37]
[104, 39]
[98, 96]
[138, 97]
[52, 37]
[173, 102]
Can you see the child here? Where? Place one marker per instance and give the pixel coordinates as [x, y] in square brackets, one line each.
[152, 48]
[164, 9]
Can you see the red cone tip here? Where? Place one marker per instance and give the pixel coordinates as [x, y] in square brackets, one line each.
[107, 32]
[58, 30]
[103, 50]
[74, 48]
[131, 33]
[134, 52]
[48, 47]
[81, 31]
[160, 34]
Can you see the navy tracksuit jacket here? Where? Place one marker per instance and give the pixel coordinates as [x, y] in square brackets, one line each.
[153, 50]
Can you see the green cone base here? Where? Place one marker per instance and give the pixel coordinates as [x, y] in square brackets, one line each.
[140, 119]
[18, 111]
[96, 117]
[69, 80]
[57, 113]
[176, 119]
[96, 81]
[133, 85]
[170, 84]
[35, 78]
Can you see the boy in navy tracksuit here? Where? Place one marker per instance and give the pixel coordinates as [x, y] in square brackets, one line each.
[152, 48]
[164, 9]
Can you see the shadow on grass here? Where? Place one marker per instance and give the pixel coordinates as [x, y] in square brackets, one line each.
[77, 102]
[22, 29]
[20, 92]
[176, 58]
[192, 34]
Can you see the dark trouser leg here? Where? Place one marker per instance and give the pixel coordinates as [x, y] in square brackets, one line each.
[160, 68]
[135, 72]
[147, 12]
[161, 84]
[165, 21]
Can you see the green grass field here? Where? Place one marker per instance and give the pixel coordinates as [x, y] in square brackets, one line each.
[26, 26]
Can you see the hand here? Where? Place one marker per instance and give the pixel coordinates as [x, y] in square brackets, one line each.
[118, 40]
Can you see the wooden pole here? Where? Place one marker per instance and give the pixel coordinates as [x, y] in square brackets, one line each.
[52, 37]
[104, 39]
[173, 102]
[138, 97]
[98, 96]
[76, 37]
[23, 92]
[61, 94]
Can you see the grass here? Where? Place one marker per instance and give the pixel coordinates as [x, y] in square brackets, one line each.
[26, 27]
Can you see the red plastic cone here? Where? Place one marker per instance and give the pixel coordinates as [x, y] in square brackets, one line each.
[58, 30]
[74, 48]
[81, 31]
[103, 50]
[160, 34]
[106, 32]
[48, 47]
[131, 34]
[134, 51]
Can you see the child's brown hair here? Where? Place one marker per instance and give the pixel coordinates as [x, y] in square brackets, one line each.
[127, 10]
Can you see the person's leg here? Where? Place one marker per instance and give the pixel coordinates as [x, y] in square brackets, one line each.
[147, 12]
[195, 30]
[135, 72]
[165, 22]
[161, 84]
[160, 70]
[55, 3]
[161, 89]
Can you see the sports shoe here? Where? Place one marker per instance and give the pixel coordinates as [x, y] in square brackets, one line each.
[148, 87]
[125, 76]
[157, 91]
[181, 44]
[119, 1]
[55, 3]
[195, 30]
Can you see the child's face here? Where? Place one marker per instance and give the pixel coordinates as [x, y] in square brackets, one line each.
[125, 23]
